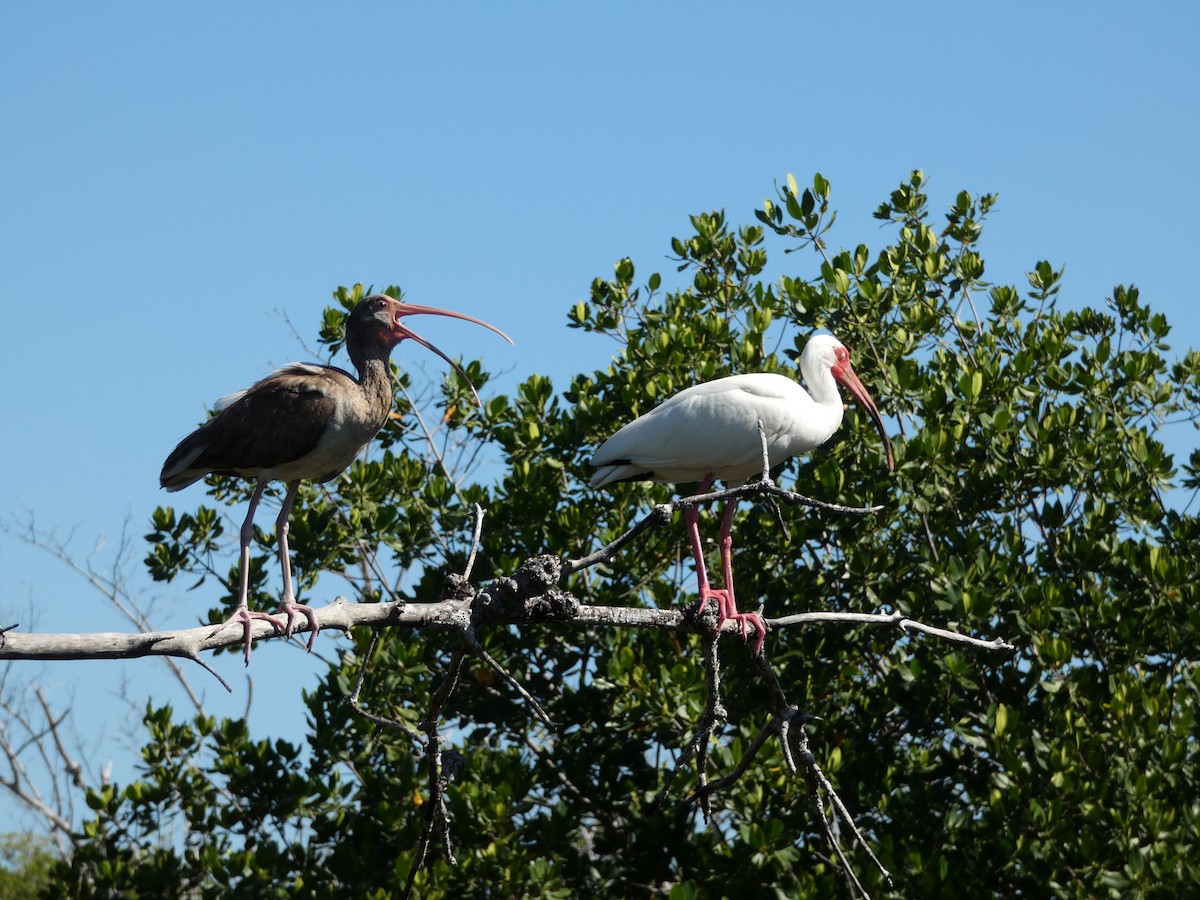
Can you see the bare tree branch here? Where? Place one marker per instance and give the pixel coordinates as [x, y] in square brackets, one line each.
[520, 599]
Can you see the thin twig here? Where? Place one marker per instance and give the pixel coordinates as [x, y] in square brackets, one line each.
[895, 618]
[814, 778]
[380, 721]
[661, 515]
[705, 790]
[512, 682]
[480, 512]
[112, 586]
[714, 715]
[817, 778]
[437, 813]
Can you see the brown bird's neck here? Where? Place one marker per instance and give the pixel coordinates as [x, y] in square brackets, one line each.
[375, 379]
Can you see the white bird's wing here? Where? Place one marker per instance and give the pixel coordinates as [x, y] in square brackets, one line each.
[708, 428]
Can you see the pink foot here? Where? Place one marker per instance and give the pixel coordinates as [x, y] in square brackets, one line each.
[244, 617]
[291, 608]
[756, 622]
[722, 599]
[726, 609]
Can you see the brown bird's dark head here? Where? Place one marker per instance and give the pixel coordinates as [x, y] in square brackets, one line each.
[378, 321]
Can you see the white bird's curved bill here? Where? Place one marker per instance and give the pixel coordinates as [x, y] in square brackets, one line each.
[846, 375]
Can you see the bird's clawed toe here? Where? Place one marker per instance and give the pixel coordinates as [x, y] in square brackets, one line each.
[246, 619]
[291, 608]
[726, 610]
[722, 603]
[755, 621]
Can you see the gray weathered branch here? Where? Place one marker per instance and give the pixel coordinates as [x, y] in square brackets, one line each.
[530, 596]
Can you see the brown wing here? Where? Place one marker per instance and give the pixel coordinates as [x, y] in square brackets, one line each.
[275, 421]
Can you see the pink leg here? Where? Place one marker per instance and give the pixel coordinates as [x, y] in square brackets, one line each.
[242, 615]
[731, 611]
[287, 603]
[691, 516]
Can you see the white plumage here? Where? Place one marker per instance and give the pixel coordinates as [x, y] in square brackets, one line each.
[709, 432]
[711, 429]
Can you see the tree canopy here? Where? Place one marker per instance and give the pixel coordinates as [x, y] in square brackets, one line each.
[1033, 501]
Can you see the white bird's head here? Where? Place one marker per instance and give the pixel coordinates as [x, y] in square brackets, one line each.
[824, 352]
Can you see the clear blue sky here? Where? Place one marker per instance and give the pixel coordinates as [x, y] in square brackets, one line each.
[177, 175]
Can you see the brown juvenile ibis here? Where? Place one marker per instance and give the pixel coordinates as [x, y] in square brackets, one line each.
[302, 421]
[710, 431]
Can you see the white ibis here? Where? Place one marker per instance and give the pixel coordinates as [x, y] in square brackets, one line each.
[710, 431]
[301, 421]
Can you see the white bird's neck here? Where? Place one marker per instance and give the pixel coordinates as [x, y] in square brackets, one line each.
[824, 389]
[826, 413]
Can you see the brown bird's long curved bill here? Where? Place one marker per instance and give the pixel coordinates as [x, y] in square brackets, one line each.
[412, 309]
[848, 377]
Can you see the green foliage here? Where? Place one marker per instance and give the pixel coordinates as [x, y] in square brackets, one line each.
[26, 862]
[1033, 500]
